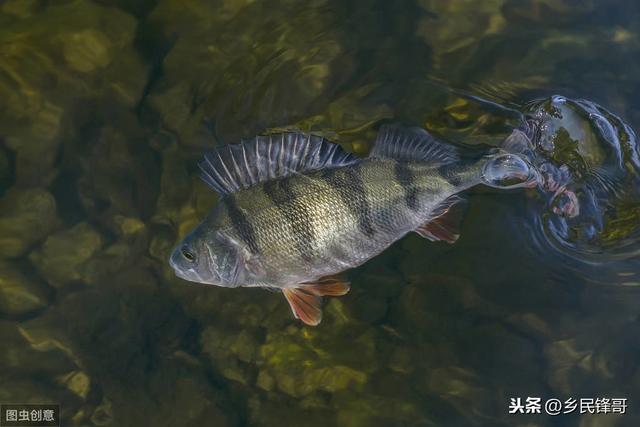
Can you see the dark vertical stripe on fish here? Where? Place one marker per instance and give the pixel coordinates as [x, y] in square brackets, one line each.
[282, 196]
[451, 173]
[347, 182]
[406, 179]
[241, 225]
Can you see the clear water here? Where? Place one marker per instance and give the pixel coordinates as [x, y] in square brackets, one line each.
[106, 107]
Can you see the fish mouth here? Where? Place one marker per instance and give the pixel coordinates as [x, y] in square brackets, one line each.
[190, 275]
[177, 271]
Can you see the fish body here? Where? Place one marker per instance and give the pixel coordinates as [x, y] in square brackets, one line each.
[306, 226]
[294, 214]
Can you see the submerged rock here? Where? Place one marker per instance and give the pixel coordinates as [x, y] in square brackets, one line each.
[553, 13]
[21, 357]
[361, 411]
[76, 381]
[36, 147]
[230, 351]
[103, 414]
[26, 217]
[63, 256]
[30, 391]
[432, 300]
[86, 50]
[47, 333]
[568, 365]
[126, 252]
[19, 8]
[55, 59]
[463, 389]
[5, 169]
[194, 400]
[472, 22]
[37, 355]
[271, 410]
[120, 177]
[18, 294]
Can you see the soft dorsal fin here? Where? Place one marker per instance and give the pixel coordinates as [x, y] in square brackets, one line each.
[237, 166]
[411, 144]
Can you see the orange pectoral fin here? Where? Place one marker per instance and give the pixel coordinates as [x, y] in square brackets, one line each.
[306, 299]
[304, 305]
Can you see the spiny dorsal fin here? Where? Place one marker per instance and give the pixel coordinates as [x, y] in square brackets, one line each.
[411, 144]
[237, 166]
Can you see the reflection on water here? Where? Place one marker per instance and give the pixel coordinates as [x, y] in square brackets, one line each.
[107, 106]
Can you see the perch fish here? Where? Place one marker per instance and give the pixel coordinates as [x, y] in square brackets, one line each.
[296, 210]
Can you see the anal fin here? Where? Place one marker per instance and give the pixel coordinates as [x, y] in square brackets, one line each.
[444, 223]
[305, 300]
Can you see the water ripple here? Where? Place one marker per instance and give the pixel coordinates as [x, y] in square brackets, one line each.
[587, 207]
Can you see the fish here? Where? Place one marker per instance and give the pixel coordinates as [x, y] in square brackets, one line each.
[296, 211]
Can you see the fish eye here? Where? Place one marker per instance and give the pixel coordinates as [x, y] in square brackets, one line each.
[188, 255]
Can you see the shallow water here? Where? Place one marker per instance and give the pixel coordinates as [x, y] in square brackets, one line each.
[107, 106]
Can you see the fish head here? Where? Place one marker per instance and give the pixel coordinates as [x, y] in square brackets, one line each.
[206, 256]
[508, 170]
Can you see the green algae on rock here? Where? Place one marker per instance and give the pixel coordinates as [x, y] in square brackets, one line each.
[302, 363]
